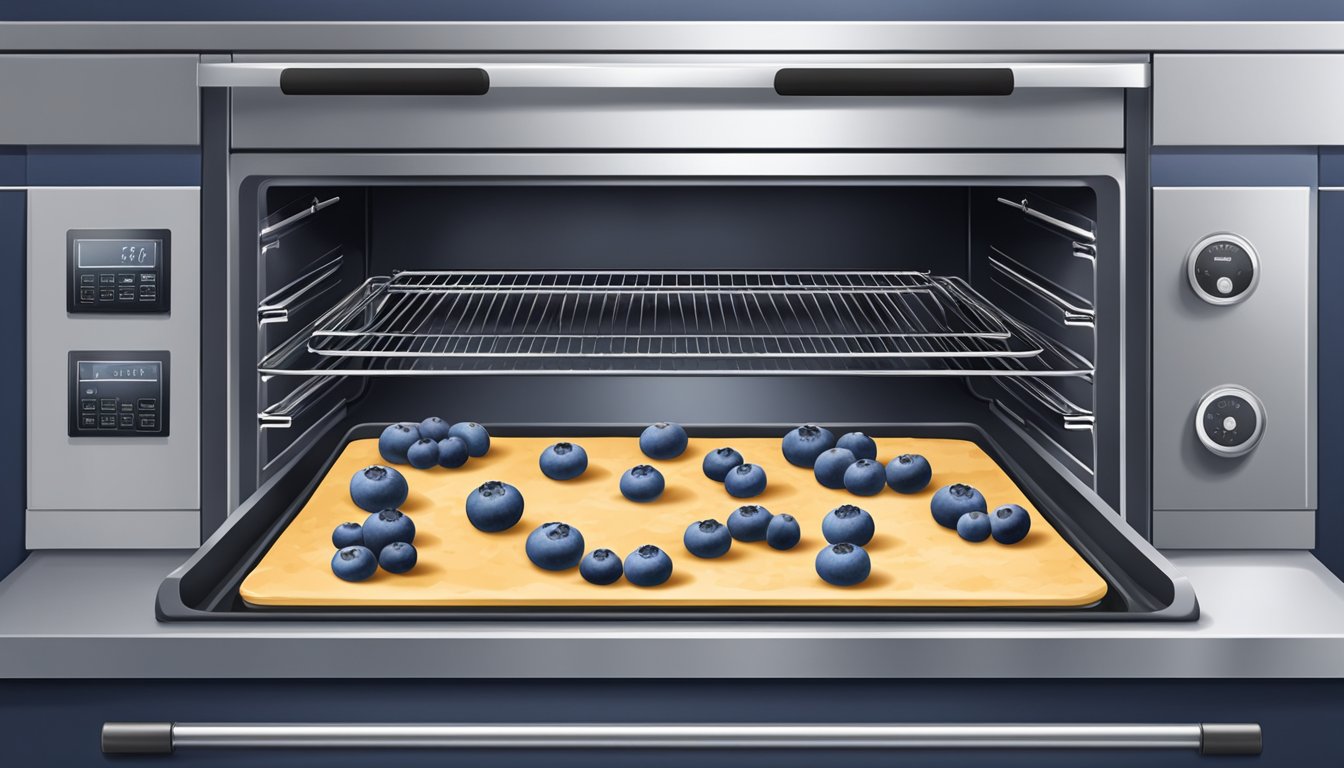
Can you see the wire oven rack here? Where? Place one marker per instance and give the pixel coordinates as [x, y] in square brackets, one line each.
[886, 323]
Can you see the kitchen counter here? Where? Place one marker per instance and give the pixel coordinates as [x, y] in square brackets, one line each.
[90, 614]
[671, 36]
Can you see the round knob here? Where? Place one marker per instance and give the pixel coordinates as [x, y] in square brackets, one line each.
[1223, 268]
[1230, 420]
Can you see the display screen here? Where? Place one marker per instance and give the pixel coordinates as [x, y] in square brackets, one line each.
[119, 371]
[119, 254]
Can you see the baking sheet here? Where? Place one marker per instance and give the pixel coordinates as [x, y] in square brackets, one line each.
[916, 562]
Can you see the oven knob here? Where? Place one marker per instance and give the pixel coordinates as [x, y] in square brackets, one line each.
[1223, 268]
[1230, 420]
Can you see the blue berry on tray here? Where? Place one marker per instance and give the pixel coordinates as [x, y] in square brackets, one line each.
[601, 567]
[354, 563]
[848, 524]
[973, 526]
[909, 473]
[859, 444]
[555, 546]
[386, 526]
[745, 481]
[494, 507]
[378, 487]
[452, 452]
[648, 566]
[397, 557]
[435, 429]
[1009, 524]
[831, 465]
[749, 522]
[563, 461]
[843, 564]
[803, 445]
[707, 538]
[348, 535]
[663, 440]
[642, 483]
[396, 439]
[950, 502]
[474, 435]
[719, 462]
[865, 477]
[423, 454]
[783, 532]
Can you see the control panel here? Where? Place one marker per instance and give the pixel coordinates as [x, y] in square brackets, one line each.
[1230, 420]
[118, 394]
[117, 270]
[1223, 268]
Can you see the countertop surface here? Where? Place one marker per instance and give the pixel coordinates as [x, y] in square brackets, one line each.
[822, 34]
[86, 614]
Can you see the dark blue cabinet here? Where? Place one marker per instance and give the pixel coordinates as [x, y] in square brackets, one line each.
[1330, 375]
[13, 470]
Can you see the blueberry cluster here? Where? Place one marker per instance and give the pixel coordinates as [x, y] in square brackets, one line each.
[647, 566]
[740, 479]
[850, 462]
[433, 442]
[963, 508]
[388, 532]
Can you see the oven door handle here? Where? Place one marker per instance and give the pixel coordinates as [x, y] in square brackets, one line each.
[161, 738]
[476, 78]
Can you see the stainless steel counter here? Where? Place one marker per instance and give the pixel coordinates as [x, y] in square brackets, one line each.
[908, 36]
[91, 615]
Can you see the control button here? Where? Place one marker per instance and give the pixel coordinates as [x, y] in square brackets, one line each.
[149, 421]
[1223, 269]
[107, 279]
[147, 403]
[127, 407]
[125, 278]
[1230, 424]
[149, 293]
[107, 404]
[107, 421]
[148, 277]
[88, 278]
[1224, 285]
[1230, 420]
[87, 295]
[126, 421]
[107, 294]
[125, 294]
[88, 405]
[88, 421]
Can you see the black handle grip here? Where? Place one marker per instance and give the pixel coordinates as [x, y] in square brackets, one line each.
[137, 738]
[985, 81]
[378, 81]
[1230, 739]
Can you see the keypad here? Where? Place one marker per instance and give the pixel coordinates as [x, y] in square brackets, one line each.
[118, 394]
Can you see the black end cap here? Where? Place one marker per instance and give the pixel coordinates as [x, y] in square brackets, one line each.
[1230, 739]
[137, 738]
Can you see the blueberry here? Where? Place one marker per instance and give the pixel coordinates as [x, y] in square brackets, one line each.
[843, 564]
[909, 473]
[831, 465]
[378, 487]
[555, 546]
[952, 501]
[474, 435]
[494, 507]
[859, 444]
[348, 535]
[395, 440]
[865, 477]
[718, 462]
[397, 557]
[386, 526]
[803, 445]
[642, 483]
[648, 566]
[354, 563]
[848, 524]
[564, 461]
[452, 452]
[601, 566]
[435, 429]
[663, 440]
[707, 538]
[1009, 524]
[745, 481]
[783, 532]
[749, 522]
[423, 453]
[973, 526]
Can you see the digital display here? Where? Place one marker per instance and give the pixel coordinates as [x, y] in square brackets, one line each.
[118, 254]
[119, 371]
